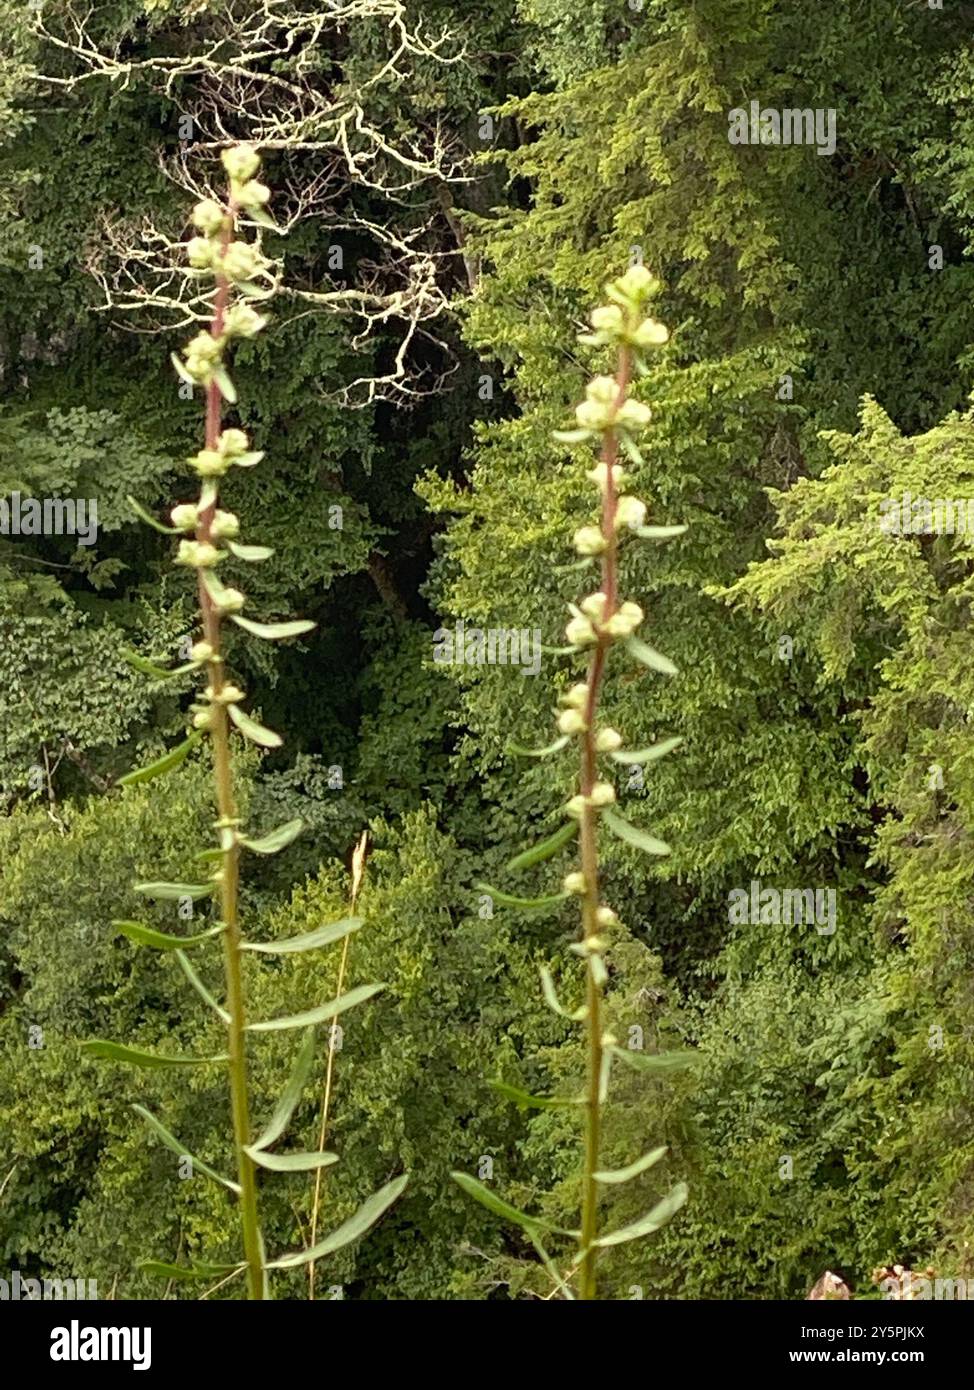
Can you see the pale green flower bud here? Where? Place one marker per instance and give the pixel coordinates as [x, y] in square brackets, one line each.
[204, 346]
[593, 606]
[201, 651]
[602, 389]
[241, 162]
[209, 464]
[199, 252]
[638, 283]
[574, 883]
[185, 517]
[588, 540]
[208, 216]
[570, 721]
[625, 622]
[198, 554]
[233, 442]
[240, 261]
[229, 601]
[608, 740]
[633, 415]
[202, 719]
[252, 194]
[651, 333]
[608, 318]
[600, 474]
[575, 807]
[226, 525]
[630, 512]
[576, 697]
[606, 917]
[228, 695]
[603, 794]
[591, 415]
[243, 322]
[580, 632]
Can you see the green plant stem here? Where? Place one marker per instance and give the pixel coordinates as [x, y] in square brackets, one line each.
[588, 838]
[230, 863]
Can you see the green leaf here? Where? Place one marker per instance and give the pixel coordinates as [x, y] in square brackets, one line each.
[273, 632]
[291, 1094]
[508, 900]
[659, 533]
[648, 755]
[248, 460]
[181, 371]
[149, 668]
[150, 520]
[292, 1163]
[251, 553]
[572, 436]
[115, 1052]
[174, 891]
[503, 1209]
[307, 941]
[163, 941]
[319, 1015]
[356, 1225]
[277, 839]
[656, 1061]
[632, 835]
[162, 765]
[544, 849]
[227, 389]
[265, 738]
[555, 747]
[640, 1166]
[650, 657]
[526, 1101]
[263, 219]
[645, 1226]
[171, 1142]
[195, 1271]
[198, 985]
[553, 1002]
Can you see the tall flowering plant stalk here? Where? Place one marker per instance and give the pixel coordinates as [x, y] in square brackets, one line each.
[600, 624]
[209, 538]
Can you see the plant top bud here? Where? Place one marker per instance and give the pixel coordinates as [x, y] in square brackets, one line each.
[570, 721]
[630, 512]
[608, 740]
[208, 216]
[241, 162]
[638, 284]
[589, 540]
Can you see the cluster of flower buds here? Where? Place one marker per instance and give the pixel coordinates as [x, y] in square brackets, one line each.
[232, 451]
[590, 622]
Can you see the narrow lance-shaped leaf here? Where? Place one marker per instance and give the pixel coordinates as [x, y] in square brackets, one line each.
[171, 1142]
[134, 1056]
[150, 520]
[523, 752]
[504, 1210]
[525, 1101]
[174, 891]
[641, 1165]
[264, 738]
[319, 1015]
[650, 657]
[640, 839]
[509, 900]
[276, 840]
[292, 1163]
[198, 985]
[658, 1217]
[291, 1094]
[545, 849]
[356, 1226]
[554, 1003]
[162, 765]
[164, 941]
[252, 554]
[151, 668]
[659, 533]
[655, 1061]
[307, 941]
[647, 755]
[273, 632]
